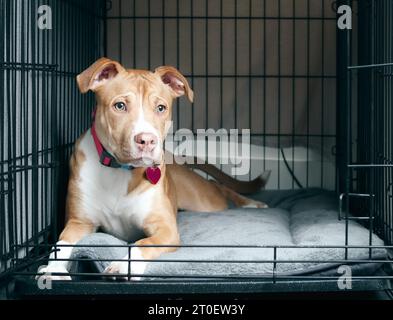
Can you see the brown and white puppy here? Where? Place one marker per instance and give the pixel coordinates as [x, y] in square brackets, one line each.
[134, 109]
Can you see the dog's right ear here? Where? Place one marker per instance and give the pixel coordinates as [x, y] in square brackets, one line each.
[97, 74]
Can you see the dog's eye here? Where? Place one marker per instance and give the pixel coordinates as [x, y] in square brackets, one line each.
[161, 108]
[120, 106]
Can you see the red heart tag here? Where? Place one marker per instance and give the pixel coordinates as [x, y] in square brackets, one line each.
[153, 174]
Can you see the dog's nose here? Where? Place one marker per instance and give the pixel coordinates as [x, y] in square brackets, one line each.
[145, 141]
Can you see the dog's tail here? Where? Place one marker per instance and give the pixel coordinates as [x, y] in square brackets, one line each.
[244, 187]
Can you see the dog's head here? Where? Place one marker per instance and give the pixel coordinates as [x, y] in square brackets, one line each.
[134, 108]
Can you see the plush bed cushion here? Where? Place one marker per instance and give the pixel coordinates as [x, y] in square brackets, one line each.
[305, 217]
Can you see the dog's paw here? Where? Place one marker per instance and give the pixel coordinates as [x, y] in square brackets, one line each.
[255, 204]
[260, 204]
[117, 268]
[124, 270]
[52, 273]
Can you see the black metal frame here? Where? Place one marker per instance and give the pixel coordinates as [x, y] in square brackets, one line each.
[51, 114]
[365, 95]
[42, 114]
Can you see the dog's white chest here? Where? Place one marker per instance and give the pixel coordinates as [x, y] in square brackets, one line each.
[105, 200]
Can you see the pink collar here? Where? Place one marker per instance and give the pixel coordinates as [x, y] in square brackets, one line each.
[153, 174]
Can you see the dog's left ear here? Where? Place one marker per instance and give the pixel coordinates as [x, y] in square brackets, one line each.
[176, 81]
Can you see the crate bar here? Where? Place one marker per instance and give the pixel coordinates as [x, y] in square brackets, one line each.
[211, 277]
[34, 132]
[206, 22]
[293, 88]
[8, 102]
[389, 215]
[364, 85]
[3, 190]
[178, 57]
[120, 32]
[40, 152]
[148, 36]
[250, 91]
[236, 69]
[253, 76]
[221, 246]
[25, 99]
[344, 114]
[264, 86]
[279, 98]
[370, 166]
[308, 96]
[235, 17]
[163, 32]
[134, 33]
[374, 145]
[342, 103]
[22, 66]
[46, 88]
[322, 89]
[129, 265]
[13, 115]
[105, 7]
[274, 261]
[370, 66]
[192, 61]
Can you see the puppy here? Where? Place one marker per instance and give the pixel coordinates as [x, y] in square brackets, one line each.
[119, 182]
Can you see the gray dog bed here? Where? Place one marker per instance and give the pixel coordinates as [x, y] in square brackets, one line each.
[295, 218]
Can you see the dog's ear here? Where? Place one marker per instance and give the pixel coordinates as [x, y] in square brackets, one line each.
[97, 74]
[176, 81]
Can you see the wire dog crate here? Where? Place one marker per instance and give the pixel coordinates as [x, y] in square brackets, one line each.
[316, 98]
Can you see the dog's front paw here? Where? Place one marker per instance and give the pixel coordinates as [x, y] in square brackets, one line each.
[117, 268]
[52, 273]
[125, 270]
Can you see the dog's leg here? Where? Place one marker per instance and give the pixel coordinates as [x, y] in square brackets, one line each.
[58, 259]
[238, 199]
[160, 231]
[195, 193]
